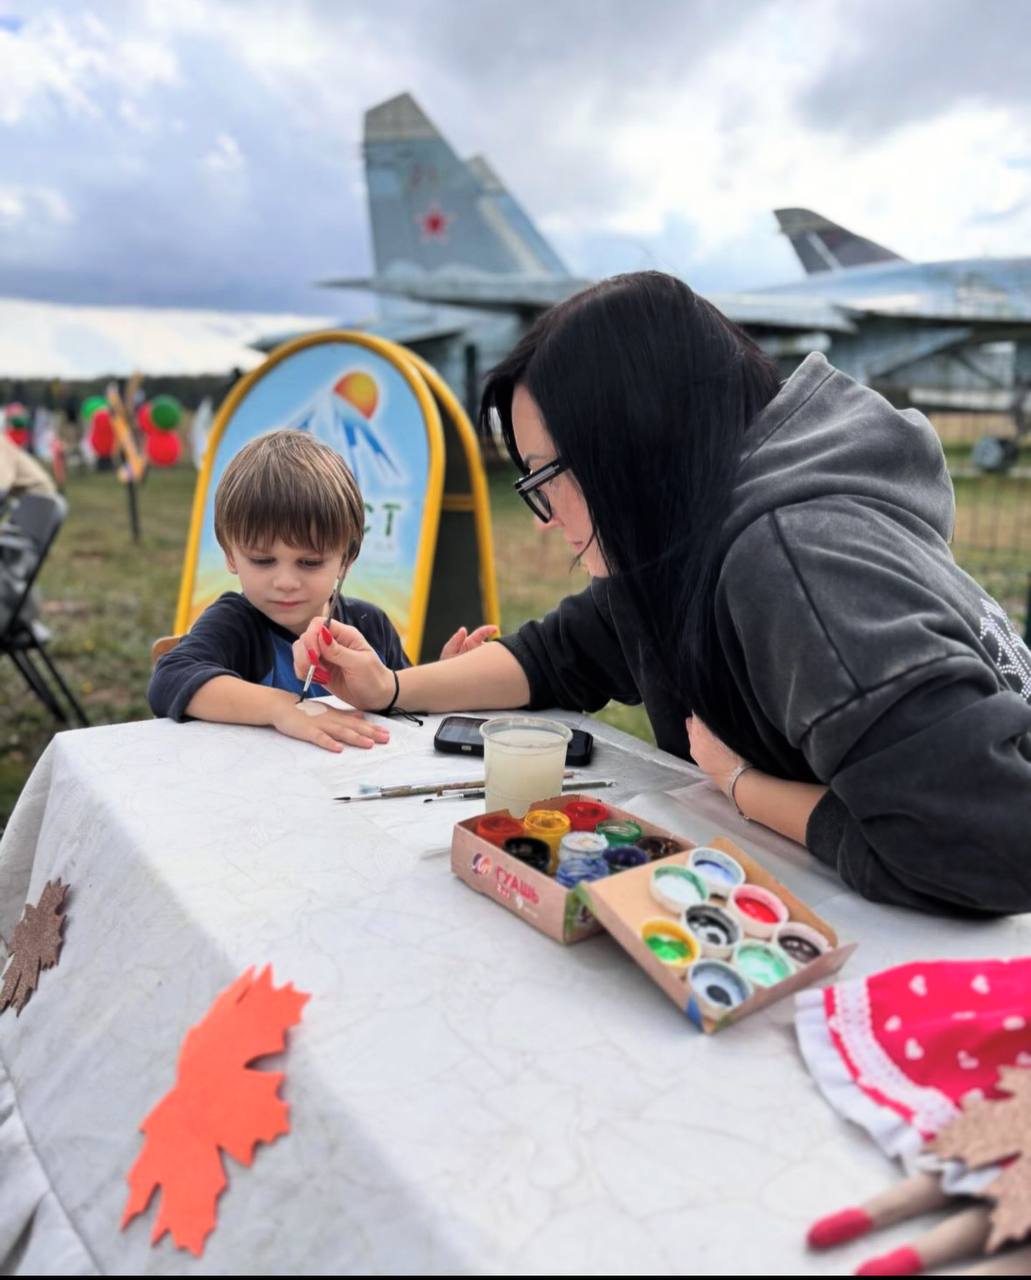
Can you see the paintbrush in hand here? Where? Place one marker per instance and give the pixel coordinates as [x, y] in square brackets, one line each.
[329, 614]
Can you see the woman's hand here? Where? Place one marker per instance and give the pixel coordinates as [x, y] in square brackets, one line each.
[464, 641]
[711, 755]
[778, 803]
[355, 673]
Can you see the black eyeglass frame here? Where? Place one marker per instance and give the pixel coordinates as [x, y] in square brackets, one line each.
[528, 487]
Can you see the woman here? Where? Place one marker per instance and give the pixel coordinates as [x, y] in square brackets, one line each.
[771, 577]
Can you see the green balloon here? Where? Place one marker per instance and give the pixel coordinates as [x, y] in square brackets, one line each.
[89, 407]
[165, 412]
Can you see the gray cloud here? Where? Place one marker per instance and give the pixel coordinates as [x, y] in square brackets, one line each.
[238, 181]
[899, 63]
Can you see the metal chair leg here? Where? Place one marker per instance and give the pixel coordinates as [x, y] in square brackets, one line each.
[73, 702]
[37, 685]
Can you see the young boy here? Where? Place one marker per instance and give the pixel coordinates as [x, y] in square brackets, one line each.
[289, 517]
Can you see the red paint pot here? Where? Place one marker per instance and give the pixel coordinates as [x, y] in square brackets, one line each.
[584, 815]
[759, 910]
[498, 827]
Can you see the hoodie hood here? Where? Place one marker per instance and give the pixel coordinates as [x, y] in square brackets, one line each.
[826, 435]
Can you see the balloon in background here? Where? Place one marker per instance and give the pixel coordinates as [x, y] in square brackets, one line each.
[163, 448]
[165, 412]
[17, 415]
[89, 407]
[144, 418]
[102, 434]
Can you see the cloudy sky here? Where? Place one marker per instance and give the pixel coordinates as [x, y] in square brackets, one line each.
[206, 152]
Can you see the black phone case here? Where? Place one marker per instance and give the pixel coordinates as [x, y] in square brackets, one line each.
[573, 758]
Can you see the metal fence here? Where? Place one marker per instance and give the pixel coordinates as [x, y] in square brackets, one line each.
[993, 513]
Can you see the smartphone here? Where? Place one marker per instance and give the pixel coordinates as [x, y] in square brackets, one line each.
[460, 735]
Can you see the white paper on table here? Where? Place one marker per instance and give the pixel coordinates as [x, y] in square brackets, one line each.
[408, 758]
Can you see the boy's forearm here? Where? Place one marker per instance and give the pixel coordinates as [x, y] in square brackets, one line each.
[487, 678]
[230, 700]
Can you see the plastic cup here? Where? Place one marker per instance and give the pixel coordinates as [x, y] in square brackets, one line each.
[523, 761]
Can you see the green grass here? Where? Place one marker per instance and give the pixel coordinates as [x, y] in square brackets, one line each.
[106, 599]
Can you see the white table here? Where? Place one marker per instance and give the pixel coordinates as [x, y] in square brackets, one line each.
[466, 1095]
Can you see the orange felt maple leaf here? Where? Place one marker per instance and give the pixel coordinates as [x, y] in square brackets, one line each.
[218, 1104]
[991, 1131]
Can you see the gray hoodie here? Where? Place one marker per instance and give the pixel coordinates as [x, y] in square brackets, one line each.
[860, 654]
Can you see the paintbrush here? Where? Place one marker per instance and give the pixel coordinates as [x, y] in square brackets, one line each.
[423, 789]
[479, 794]
[329, 614]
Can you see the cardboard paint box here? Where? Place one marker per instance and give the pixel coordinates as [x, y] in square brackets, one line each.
[621, 902]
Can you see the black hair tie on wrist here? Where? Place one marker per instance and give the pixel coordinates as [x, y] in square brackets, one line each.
[391, 709]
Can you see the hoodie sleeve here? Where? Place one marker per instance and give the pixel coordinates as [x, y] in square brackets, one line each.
[859, 663]
[572, 657]
[222, 642]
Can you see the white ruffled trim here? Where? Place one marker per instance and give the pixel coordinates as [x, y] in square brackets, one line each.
[895, 1136]
[931, 1109]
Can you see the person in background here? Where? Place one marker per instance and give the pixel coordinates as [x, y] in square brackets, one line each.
[20, 473]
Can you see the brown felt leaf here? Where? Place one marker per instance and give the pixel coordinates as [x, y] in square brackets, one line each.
[989, 1131]
[36, 945]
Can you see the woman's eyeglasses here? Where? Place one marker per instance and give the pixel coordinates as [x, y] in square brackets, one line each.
[530, 488]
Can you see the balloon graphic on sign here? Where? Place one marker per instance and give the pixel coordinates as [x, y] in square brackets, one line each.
[360, 390]
[341, 415]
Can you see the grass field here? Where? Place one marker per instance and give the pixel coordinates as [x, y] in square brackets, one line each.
[107, 599]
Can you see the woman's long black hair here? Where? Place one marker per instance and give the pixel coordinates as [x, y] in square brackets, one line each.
[647, 391]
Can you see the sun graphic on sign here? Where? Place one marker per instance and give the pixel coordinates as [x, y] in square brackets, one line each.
[359, 389]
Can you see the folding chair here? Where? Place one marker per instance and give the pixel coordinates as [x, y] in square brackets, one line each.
[25, 541]
[162, 646]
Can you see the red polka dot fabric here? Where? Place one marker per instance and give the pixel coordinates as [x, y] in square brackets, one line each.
[920, 1038]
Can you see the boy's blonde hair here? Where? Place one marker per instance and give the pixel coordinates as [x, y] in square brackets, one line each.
[287, 485]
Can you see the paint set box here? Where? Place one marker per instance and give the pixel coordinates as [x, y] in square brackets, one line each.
[709, 925]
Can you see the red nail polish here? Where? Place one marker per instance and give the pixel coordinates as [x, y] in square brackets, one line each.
[322, 675]
[327, 635]
[313, 656]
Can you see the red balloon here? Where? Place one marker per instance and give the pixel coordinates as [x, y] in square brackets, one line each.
[163, 448]
[144, 419]
[102, 434]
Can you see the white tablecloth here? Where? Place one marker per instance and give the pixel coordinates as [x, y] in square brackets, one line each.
[465, 1095]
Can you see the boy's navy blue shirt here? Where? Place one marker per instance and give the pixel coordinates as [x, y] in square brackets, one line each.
[233, 638]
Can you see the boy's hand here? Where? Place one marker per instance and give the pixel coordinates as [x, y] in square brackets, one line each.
[332, 729]
[464, 642]
[355, 673]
